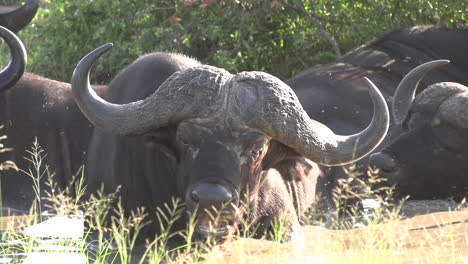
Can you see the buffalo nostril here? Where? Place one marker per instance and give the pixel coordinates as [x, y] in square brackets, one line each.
[208, 193]
[228, 197]
[382, 161]
[194, 195]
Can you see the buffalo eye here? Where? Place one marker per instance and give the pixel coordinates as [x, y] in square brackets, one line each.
[256, 153]
[183, 142]
[153, 139]
[406, 122]
[159, 141]
[150, 140]
[450, 138]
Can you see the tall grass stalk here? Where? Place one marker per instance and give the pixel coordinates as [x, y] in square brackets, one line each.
[279, 231]
[126, 229]
[158, 250]
[5, 165]
[38, 171]
[97, 214]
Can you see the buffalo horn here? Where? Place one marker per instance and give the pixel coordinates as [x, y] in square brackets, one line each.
[97, 110]
[406, 90]
[18, 18]
[193, 97]
[284, 119]
[15, 68]
[262, 101]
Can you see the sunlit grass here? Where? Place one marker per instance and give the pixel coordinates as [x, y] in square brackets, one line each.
[401, 241]
[4, 165]
[111, 234]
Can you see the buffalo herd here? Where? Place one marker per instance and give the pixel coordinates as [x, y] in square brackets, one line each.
[429, 158]
[334, 95]
[227, 144]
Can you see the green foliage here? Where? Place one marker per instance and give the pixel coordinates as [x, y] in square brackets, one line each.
[278, 36]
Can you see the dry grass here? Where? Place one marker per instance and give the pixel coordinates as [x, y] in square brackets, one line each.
[432, 238]
[387, 237]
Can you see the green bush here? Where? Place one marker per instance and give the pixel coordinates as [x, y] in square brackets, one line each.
[279, 37]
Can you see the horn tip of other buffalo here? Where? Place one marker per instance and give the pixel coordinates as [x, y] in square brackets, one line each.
[15, 68]
[81, 72]
[88, 61]
[80, 77]
[406, 90]
[96, 109]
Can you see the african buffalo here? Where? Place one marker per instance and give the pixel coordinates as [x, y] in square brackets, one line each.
[209, 137]
[335, 95]
[430, 159]
[15, 18]
[32, 106]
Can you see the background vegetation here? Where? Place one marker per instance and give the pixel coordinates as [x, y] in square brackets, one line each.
[281, 37]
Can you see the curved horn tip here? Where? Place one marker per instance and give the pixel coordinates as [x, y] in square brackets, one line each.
[370, 83]
[405, 92]
[441, 62]
[379, 102]
[100, 50]
[427, 66]
[90, 58]
[431, 64]
[104, 48]
[373, 88]
[376, 94]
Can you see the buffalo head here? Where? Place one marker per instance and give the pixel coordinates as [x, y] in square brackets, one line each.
[430, 159]
[221, 129]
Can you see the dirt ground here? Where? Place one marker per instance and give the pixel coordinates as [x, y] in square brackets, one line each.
[429, 232]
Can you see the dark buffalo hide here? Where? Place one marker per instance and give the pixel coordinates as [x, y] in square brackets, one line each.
[430, 158]
[335, 95]
[37, 107]
[218, 141]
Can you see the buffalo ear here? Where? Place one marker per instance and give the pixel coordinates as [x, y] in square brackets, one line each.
[161, 140]
[291, 165]
[276, 152]
[283, 159]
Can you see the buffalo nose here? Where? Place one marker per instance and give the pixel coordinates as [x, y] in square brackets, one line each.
[208, 194]
[382, 161]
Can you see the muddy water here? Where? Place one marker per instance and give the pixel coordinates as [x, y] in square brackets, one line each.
[431, 237]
